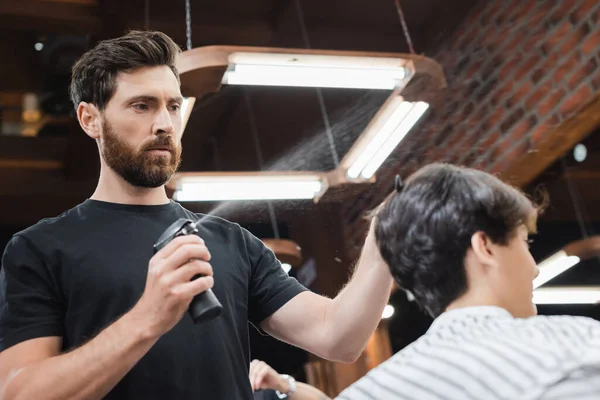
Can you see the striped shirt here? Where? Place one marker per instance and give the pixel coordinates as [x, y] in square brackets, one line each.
[484, 353]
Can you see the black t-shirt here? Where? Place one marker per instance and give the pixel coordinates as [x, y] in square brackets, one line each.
[74, 275]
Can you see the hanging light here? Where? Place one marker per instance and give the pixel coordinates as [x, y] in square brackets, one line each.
[205, 70]
[554, 266]
[567, 295]
[387, 129]
[560, 262]
[316, 70]
[186, 109]
[235, 186]
[566, 258]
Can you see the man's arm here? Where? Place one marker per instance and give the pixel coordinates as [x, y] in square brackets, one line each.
[34, 369]
[337, 329]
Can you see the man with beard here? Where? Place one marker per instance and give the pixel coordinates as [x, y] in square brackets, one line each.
[88, 311]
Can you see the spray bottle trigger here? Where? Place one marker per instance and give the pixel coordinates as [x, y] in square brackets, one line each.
[182, 226]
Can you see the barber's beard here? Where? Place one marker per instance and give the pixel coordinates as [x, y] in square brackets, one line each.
[140, 168]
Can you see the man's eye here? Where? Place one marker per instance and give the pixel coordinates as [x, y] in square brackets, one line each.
[140, 106]
[175, 107]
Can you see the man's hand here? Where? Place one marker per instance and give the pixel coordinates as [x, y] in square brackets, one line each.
[262, 376]
[337, 329]
[169, 288]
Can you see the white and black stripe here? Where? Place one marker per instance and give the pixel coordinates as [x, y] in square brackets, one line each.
[484, 353]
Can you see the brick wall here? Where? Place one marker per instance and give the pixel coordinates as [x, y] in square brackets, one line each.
[515, 69]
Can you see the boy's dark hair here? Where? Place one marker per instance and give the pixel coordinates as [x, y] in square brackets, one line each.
[424, 230]
[93, 77]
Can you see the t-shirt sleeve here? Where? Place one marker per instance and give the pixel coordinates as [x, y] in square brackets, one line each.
[270, 286]
[30, 305]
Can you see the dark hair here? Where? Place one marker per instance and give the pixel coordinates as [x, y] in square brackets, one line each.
[93, 77]
[424, 230]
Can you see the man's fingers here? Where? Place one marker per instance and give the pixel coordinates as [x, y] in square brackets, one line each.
[252, 373]
[176, 243]
[256, 376]
[259, 380]
[251, 377]
[185, 253]
[260, 375]
[186, 272]
[195, 287]
[262, 371]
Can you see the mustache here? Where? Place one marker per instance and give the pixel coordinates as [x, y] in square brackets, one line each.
[163, 143]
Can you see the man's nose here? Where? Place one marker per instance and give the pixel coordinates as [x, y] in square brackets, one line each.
[164, 124]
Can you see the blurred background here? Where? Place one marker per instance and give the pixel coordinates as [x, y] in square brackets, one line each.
[522, 101]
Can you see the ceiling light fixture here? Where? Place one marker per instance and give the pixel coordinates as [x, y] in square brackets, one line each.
[204, 70]
[316, 70]
[566, 258]
[567, 295]
[554, 266]
[220, 186]
[383, 134]
[186, 109]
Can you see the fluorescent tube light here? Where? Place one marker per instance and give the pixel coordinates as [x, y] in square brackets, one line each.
[186, 110]
[187, 105]
[386, 132]
[258, 186]
[553, 266]
[567, 295]
[305, 70]
[259, 75]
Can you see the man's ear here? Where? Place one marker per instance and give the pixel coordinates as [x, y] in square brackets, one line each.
[483, 249]
[90, 119]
